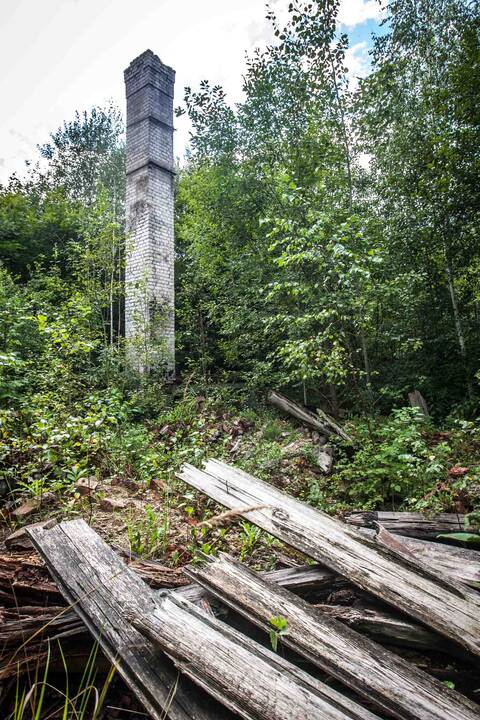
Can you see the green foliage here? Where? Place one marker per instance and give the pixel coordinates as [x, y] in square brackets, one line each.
[148, 536]
[250, 536]
[43, 699]
[279, 626]
[468, 539]
[299, 265]
[393, 462]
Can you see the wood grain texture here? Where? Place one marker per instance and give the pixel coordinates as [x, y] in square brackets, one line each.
[246, 677]
[386, 627]
[320, 421]
[298, 411]
[409, 524]
[393, 684]
[405, 583]
[102, 588]
[460, 564]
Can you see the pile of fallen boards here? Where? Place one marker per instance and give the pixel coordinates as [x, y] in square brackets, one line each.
[202, 651]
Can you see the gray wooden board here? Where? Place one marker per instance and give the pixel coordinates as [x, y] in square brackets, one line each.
[460, 564]
[403, 582]
[301, 579]
[248, 678]
[300, 412]
[410, 524]
[93, 578]
[393, 684]
[389, 627]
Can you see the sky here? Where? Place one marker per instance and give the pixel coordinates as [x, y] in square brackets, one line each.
[58, 56]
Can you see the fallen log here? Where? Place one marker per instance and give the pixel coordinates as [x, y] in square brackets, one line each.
[100, 587]
[404, 583]
[391, 683]
[323, 423]
[409, 524]
[244, 676]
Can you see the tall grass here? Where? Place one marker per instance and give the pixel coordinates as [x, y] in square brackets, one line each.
[41, 700]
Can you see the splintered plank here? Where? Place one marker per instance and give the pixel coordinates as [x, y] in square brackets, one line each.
[393, 684]
[252, 681]
[320, 421]
[460, 564]
[410, 524]
[101, 588]
[398, 579]
[299, 412]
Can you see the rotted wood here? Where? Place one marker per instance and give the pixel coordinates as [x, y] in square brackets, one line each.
[25, 580]
[25, 634]
[409, 524]
[247, 678]
[394, 685]
[403, 582]
[417, 400]
[101, 588]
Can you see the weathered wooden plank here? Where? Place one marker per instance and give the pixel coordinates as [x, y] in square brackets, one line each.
[246, 677]
[460, 564]
[409, 524]
[299, 412]
[401, 581]
[386, 627]
[417, 400]
[393, 684]
[321, 422]
[301, 580]
[101, 588]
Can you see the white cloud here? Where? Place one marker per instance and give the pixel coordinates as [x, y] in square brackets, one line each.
[355, 12]
[357, 61]
[60, 56]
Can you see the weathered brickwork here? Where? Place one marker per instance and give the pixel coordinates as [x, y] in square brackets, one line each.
[149, 273]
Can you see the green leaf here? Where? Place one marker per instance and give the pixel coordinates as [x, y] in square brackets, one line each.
[467, 538]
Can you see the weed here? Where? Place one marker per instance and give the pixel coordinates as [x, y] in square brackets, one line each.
[85, 703]
[250, 537]
[150, 534]
[279, 627]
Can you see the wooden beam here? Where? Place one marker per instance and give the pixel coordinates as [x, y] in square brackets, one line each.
[101, 588]
[247, 678]
[409, 524]
[401, 581]
[299, 412]
[391, 683]
[321, 421]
